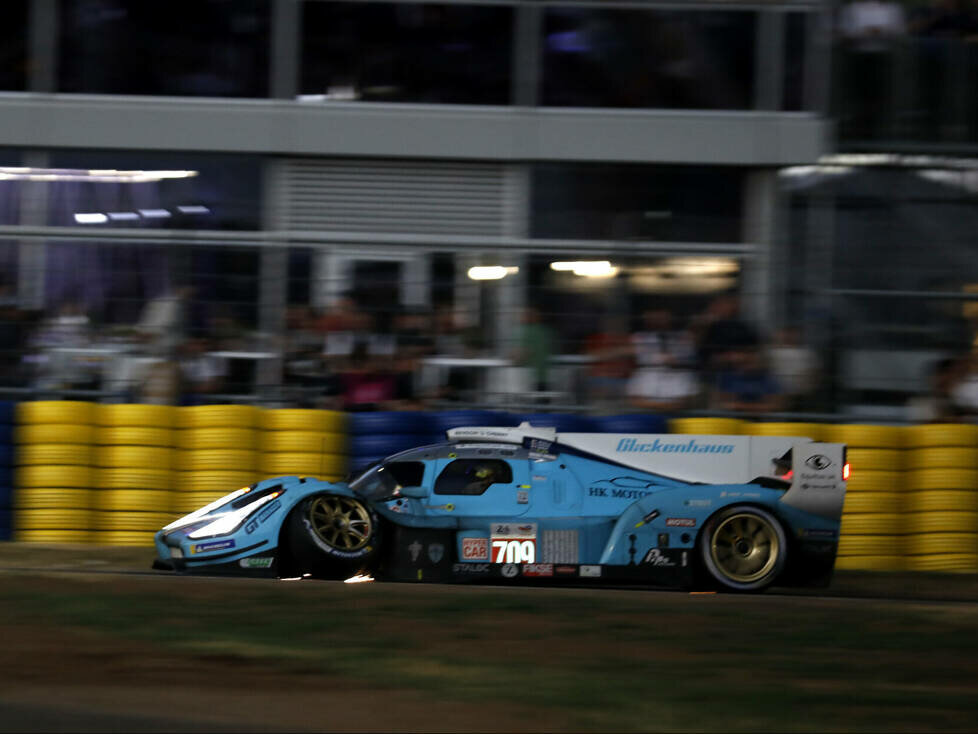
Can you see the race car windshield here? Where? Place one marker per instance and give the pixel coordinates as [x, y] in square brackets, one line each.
[383, 481]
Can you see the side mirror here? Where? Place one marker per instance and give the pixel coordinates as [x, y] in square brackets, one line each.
[415, 493]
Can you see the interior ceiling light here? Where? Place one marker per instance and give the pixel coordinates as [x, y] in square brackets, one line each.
[491, 272]
[95, 175]
[587, 268]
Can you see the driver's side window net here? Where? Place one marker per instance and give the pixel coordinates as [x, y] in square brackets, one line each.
[473, 476]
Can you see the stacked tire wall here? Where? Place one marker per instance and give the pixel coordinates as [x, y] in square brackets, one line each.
[304, 443]
[6, 469]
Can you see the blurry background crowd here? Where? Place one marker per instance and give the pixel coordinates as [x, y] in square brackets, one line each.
[751, 208]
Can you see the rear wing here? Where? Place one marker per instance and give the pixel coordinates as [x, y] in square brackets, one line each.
[819, 473]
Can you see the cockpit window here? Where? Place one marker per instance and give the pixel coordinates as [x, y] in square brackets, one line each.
[473, 476]
[383, 481]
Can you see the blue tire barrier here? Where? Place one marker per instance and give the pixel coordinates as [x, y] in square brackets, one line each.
[6, 433]
[631, 423]
[358, 463]
[6, 476]
[8, 411]
[384, 443]
[443, 420]
[387, 422]
[563, 422]
[6, 497]
[6, 455]
[6, 523]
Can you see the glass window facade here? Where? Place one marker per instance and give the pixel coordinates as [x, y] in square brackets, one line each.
[193, 48]
[14, 59]
[634, 58]
[795, 50]
[406, 52]
[636, 202]
[155, 190]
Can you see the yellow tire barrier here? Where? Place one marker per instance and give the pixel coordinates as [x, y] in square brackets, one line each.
[875, 459]
[135, 457]
[142, 538]
[302, 464]
[938, 435]
[222, 482]
[304, 442]
[711, 426]
[53, 453]
[218, 438]
[55, 411]
[955, 562]
[883, 502]
[79, 477]
[63, 519]
[953, 500]
[75, 433]
[207, 459]
[870, 563]
[301, 419]
[131, 521]
[871, 545]
[954, 457]
[932, 543]
[183, 503]
[53, 536]
[134, 479]
[132, 500]
[52, 499]
[942, 521]
[865, 436]
[942, 479]
[218, 416]
[814, 431]
[874, 523]
[875, 481]
[134, 436]
[157, 416]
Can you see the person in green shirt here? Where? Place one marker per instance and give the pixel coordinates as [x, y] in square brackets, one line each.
[536, 345]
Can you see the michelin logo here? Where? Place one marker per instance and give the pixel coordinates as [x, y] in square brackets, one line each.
[631, 445]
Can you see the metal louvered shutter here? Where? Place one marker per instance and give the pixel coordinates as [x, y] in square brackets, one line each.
[394, 197]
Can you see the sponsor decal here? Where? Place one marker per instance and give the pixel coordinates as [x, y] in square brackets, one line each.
[818, 462]
[537, 445]
[436, 551]
[256, 562]
[471, 569]
[510, 570]
[699, 503]
[655, 558]
[591, 572]
[513, 543]
[251, 526]
[632, 445]
[565, 570]
[538, 478]
[216, 545]
[538, 569]
[542, 457]
[522, 497]
[618, 493]
[680, 522]
[819, 485]
[268, 511]
[819, 533]
[415, 550]
[475, 549]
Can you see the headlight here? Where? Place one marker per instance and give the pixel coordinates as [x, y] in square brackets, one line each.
[231, 521]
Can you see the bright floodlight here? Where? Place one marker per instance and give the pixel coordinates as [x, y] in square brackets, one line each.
[490, 272]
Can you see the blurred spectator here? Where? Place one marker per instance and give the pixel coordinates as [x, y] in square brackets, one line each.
[343, 326]
[611, 362]
[365, 385]
[660, 343]
[795, 366]
[964, 392]
[536, 348]
[664, 388]
[59, 366]
[938, 405]
[746, 385]
[721, 333]
[201, 373]
[164, 322]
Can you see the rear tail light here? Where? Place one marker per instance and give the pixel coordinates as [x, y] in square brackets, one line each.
[845, 472]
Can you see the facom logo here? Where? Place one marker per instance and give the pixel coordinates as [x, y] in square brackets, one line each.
[632, 445]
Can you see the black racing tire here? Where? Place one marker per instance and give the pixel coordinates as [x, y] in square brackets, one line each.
[332, 536]
[743, 548]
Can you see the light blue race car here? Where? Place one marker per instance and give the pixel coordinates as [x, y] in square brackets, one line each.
[526, 505]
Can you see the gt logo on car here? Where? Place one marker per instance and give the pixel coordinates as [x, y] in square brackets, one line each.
[514, 551]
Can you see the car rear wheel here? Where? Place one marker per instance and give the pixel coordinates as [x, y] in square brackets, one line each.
[743, 548]
[332, 536]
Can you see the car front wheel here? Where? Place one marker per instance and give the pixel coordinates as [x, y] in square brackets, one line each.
[333, 536]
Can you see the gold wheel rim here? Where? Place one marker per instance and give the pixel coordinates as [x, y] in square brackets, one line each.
[341, 522]
[745, 547]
